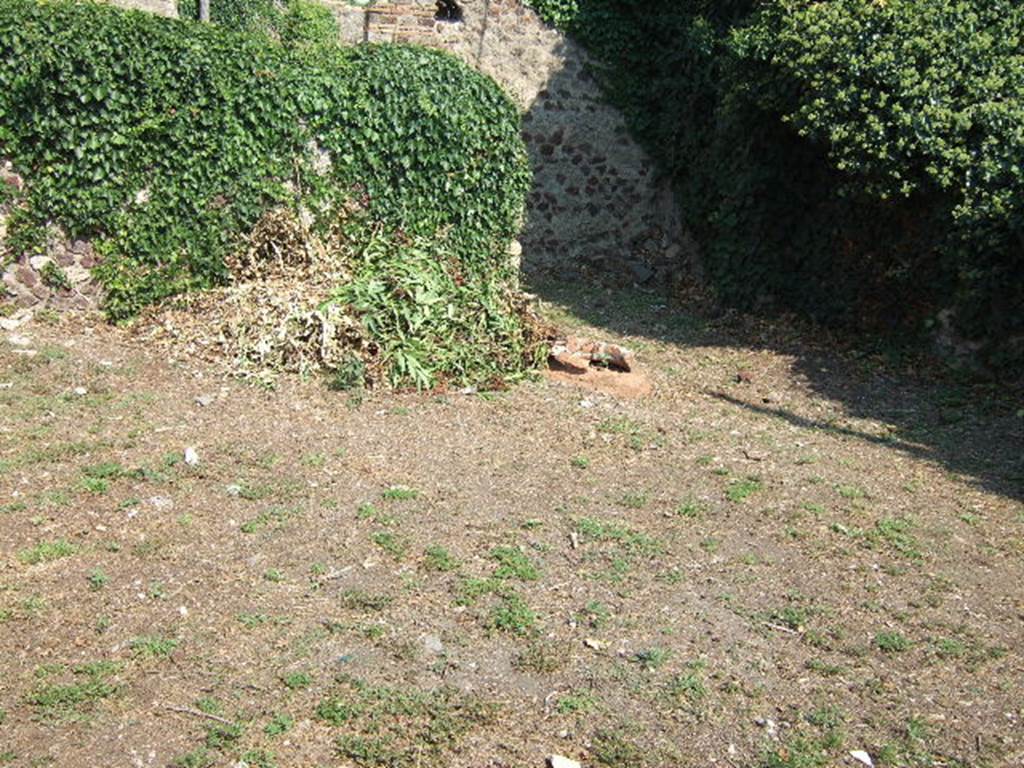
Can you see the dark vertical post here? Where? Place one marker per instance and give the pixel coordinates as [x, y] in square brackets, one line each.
[483, 32]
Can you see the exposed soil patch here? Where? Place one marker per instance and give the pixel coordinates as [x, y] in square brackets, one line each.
[733, 571]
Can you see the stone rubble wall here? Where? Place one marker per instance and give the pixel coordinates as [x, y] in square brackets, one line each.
[596, 203]
[60, 276]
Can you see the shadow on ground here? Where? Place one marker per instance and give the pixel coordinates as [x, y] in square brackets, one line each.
[970, 429]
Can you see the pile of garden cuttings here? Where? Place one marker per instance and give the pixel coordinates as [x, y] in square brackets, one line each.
[278, 315]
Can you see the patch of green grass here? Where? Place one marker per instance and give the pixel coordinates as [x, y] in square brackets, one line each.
[690, 509]
[710, 544]
[145, 548]
[297, 680]
[652, 658]
[279, 724]
[278, 516]
[576, 703]
[799, 752]
[638, 435]
[512, 614]
[357, 599]
[258, 758]
[580, 462]
[109, 470]
[614, 749]
[895, 533]
[688, 687]
[153, 646]
[97, 579]
[273, 575]
[369, 512]
[794, 617]
[46, 551]
[197, 758]
[400, 493]
[740, 490]
[209, 705]
[401, 728]
[513, 564]
[315, 460]
[636, 500]
[827, 718]
[439, 559]
[392, 544]
[542, 657]
[891, 642]
[850, 492]
[950, 648]
[221, 736]
[596, 614]
[255, 491]
[472, 589]
[632, 541]
[823, 668]
[338, 711]
[73, 696]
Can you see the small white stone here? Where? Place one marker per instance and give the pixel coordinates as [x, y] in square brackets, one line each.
[191, 457]
[433, 644]
[80, 391]
[862, 757]
[19, 341]
[183, 611]
[557, 761]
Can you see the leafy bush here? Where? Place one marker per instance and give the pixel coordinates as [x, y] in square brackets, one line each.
[918, 106]
[857, 161]
[165, 141]
[431, 318]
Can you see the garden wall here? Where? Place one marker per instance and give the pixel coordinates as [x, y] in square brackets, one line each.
[596, 201]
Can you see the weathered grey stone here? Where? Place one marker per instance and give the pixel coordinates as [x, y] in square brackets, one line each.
[26, 276]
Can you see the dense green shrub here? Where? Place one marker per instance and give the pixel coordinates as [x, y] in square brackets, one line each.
[919, 106]
[165, 141]
[858, 161]
[430, 317]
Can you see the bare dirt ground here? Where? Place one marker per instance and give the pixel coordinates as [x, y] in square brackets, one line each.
[781, 556]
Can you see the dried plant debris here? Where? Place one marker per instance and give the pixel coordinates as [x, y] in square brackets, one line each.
[378, 309]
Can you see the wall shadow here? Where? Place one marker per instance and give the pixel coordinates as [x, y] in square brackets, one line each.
[972, 430]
